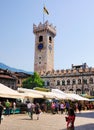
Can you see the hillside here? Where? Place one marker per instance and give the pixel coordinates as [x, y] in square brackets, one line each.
[3, 66]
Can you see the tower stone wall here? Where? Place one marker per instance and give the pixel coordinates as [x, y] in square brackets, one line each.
[44, 47]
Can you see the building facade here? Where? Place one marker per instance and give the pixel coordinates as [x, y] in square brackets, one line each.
[12, 80]
[75, 80]
[79, 79]
[7, 78]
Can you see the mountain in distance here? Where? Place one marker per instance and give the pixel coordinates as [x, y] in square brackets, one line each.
[3, 66]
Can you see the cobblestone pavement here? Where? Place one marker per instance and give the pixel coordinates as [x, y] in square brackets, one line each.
[84, 121]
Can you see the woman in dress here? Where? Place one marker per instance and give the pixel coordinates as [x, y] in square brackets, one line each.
[70, 119]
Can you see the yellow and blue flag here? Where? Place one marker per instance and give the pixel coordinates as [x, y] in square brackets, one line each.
[45, 10]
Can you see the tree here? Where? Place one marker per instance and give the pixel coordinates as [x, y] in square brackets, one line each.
[33, 81]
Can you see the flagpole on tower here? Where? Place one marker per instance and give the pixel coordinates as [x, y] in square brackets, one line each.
[44, 11]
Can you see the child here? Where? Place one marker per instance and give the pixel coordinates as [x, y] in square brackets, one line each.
[70, 119]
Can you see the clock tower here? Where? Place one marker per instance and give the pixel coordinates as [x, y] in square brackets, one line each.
[44, 47]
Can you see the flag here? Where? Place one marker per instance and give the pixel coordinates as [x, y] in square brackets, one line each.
[45, 10]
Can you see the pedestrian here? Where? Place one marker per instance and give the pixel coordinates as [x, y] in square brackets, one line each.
[7, 105]
[62, 107]
[1, 111]
[56, 107]
[30, 107]
[53, 107]
[67, 106]
[14, 107]
[37, 110]
[79, 107]
[70, 119]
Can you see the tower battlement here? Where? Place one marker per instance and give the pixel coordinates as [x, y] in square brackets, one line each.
[44, 27]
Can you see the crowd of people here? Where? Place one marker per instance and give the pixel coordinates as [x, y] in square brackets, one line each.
[54, 106]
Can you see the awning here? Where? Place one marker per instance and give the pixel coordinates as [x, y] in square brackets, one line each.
[8, 92]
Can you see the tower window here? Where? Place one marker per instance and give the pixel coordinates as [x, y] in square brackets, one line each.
[40, 38]
[39, 57]
[50, 39]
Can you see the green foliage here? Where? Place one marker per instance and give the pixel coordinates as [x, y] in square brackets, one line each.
[33, 81]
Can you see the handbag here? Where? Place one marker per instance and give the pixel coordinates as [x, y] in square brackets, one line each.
[70, 124]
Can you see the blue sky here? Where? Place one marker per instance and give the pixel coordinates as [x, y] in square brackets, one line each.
[74, 21]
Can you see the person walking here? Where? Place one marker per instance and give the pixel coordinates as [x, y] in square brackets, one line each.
[14, 107]
[79, 107]
[7, 105]
[37, 110]
[70, 119]
[30, 107]
[53, 107]
[1, 111]
[62, 107]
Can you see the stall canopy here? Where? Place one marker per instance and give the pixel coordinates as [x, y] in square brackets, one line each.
[77, 97]
[55, 93]
[8, 92]
[43, 94]
[70, 96]
[60, 94]
[31, 95]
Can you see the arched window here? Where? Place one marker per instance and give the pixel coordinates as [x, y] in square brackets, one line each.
[40, 38]
[48, 83]
[91, 80]
[79, 81]
[68, 82]
[73, 81]
[71, 89]
[63, 82]
[84, 81]
[58, 82]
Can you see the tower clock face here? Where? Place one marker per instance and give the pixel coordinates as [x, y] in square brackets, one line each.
[40, 46]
